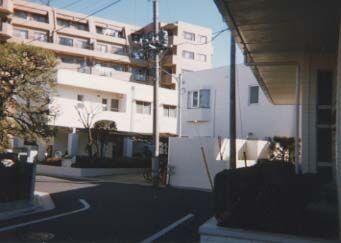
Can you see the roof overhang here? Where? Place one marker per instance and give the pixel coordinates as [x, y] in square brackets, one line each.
[276, 35]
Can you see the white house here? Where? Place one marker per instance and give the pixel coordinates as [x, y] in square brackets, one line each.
[204, 124]
[205, 106]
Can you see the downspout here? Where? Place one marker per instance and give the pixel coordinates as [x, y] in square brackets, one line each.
[179, 105]
[298, 163]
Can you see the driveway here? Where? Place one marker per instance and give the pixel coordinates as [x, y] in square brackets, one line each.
[119, 212]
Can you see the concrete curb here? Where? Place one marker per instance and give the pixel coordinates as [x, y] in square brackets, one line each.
[42, 203]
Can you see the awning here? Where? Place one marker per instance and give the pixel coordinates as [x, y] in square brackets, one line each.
[281, 32]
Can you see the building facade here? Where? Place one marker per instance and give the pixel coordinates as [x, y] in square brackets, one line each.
[205, 107]
[102, 70]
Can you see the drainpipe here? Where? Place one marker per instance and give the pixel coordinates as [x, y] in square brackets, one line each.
[179, 105]
[298, 164]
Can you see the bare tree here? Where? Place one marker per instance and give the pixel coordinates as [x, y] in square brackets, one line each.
[87, 117]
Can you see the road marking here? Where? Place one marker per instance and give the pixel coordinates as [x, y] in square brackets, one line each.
[167, 229]
[85, 207]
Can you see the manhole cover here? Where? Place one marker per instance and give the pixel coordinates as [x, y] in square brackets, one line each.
[37, 236]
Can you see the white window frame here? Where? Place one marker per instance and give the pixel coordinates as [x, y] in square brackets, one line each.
[201, 57]
[189, 36]
[250, 88]
[190, 99]
[185, 55]
[201, 37]
[167, 111]
[18, 30]
[146, 107]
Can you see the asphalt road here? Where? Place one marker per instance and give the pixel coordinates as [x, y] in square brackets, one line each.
[118, 213]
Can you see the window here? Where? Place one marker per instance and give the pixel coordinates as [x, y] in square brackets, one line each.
[120, 50]
[31, 16]
[84, 44]
[72, 24]
[65, 41]
[199, 99]
[189, 36]
[202, 39]
[71, 60]
[80, 98]
[188, 55]
[104, 104]
[64, 23]
[140, 74]
[21, 14]
[109, 32]
[169, 111]
[102, 48]
[143, 107]
[42, 37]
[204, 98]
[39, 18]
[253, 95]
[201, 57]
[20, 33]
[114, 106]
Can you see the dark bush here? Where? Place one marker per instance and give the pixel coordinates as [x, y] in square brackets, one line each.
[86, 162]
[52, 162]
[269, 197]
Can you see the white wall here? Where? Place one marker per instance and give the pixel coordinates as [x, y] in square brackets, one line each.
[189, 169]
[262, 119]
[94, 88]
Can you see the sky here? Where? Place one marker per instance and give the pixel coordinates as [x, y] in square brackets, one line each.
[139, 12]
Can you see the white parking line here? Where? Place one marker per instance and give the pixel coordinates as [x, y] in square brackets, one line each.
[85, 207]
[167, 229]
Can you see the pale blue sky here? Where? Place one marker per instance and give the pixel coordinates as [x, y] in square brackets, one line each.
[139, 12]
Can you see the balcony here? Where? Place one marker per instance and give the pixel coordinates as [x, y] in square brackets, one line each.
[6, 6]
[6, 30]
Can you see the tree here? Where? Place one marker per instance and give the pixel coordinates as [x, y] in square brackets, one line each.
[27, 78]
[282, 148]
[87, 117]
[103, 131]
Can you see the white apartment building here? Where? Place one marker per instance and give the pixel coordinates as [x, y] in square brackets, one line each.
[102, 70]
[205, 106]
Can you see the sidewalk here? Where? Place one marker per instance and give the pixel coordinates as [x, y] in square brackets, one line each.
[42, 202]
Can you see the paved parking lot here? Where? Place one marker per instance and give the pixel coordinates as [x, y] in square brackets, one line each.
[118, 212]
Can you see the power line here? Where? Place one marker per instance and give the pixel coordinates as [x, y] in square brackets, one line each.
[217, 34]
[84, 18]
[71, 4]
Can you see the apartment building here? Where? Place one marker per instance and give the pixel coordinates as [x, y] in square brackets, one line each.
[102, 70]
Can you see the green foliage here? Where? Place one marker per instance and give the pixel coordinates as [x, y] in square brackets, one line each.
[27, 76]
[282, 148]
[103, 132]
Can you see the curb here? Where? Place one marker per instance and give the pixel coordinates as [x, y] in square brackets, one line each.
[42, 203]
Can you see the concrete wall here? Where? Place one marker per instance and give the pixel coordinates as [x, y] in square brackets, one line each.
[262, 119]
[185, 157]
[69, 172]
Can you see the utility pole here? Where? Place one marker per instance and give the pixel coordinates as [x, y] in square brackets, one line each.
[152, 44]
[233, 116]
[156, 135]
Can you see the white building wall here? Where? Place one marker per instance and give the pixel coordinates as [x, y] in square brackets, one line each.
[94, 88]
[187, 163]
[262, 120]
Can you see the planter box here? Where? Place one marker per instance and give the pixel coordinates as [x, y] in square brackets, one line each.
[211, 233]
[83, 172]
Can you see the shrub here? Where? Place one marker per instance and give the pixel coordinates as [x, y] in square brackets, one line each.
[87, 162]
